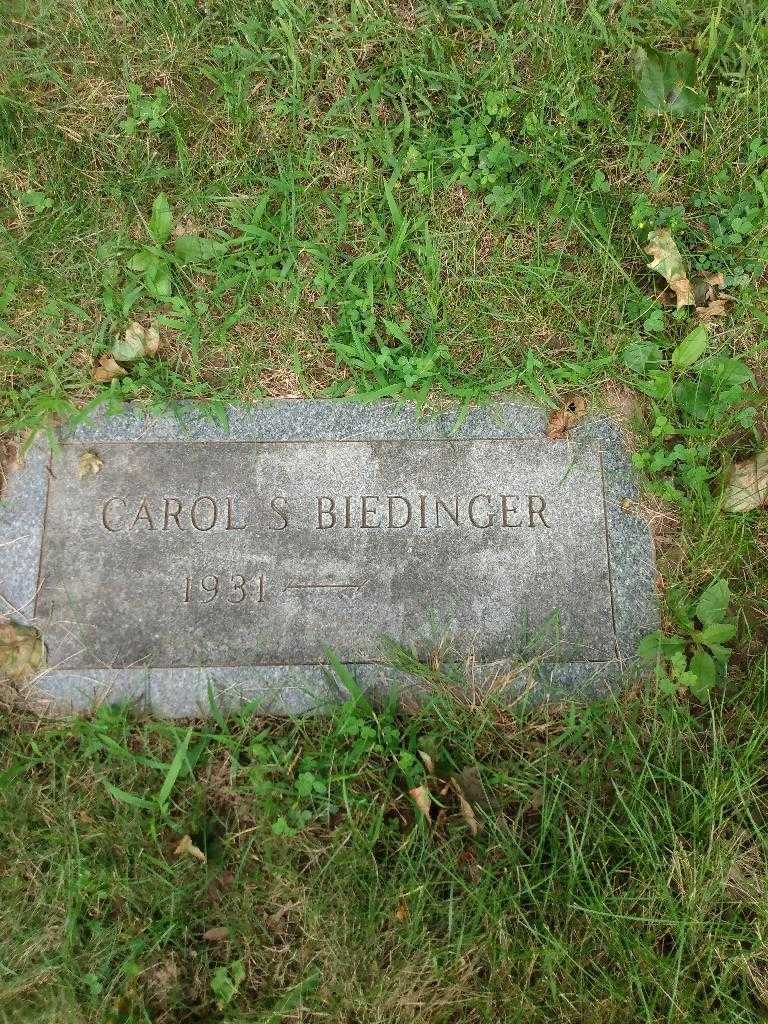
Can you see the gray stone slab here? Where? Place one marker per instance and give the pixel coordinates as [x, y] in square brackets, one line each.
[203, 561]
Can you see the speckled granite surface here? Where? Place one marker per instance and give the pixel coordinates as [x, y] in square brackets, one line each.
[121, 622]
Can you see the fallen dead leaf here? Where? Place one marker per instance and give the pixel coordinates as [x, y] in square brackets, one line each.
[567, 416]
[747, 484]
[216, 935]
[716, 308]
[467, 811]
[89, 464]
[711, 302]
[429, 764]
[22, 654]
[187, 848]
[706, 287]
[667, 261]
[422, 798]
[107, 369]
[137, 343]
[151, 341]
[471, 783]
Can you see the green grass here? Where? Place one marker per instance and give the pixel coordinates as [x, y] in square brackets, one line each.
[430, 201]
[424, 196]
[619, 873]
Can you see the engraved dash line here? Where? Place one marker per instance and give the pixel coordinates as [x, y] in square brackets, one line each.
[326, 586]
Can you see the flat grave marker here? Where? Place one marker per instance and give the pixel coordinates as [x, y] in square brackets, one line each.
[202, 560]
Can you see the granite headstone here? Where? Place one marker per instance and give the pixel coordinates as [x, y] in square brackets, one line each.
[207, 561]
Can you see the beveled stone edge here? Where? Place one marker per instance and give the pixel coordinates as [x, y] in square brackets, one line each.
[293, 419]
[22, 521]
[298, 689]
[630, 544]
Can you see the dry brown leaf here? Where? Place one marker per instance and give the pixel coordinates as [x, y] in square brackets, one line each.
[467, 811]
[138, 342]
[683, 290]
[187, 848]
[216, 935]
[706, 288]
[107, 370]
[710, 301]
[151, 341]
[429, 764]
[422, 798]
[667, 261]
[747, 485]
[471, 783]
[145, 338]
[89, 464]
[717, 307]
[22, 654]
[567, 416]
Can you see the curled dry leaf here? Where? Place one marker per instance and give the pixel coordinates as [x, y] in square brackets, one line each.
[138, 343]
[667, 261]
[422, 798]
[187, 848]
[22, 654]
[567, 416]
[747, 485]
[89, 464]
[472, 787]
[216, 935]
[716, 308]
[467, 811]
[711, 302]
[706, 288]
[107, 369]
